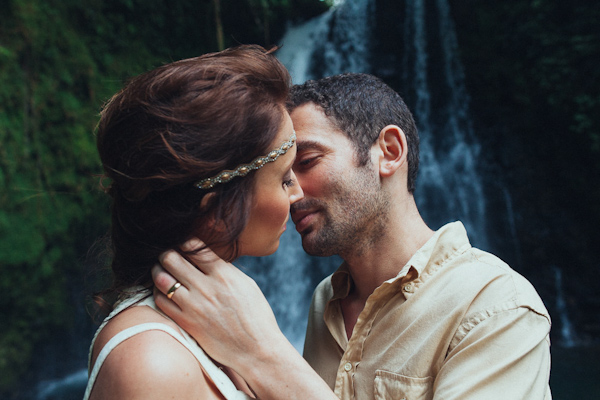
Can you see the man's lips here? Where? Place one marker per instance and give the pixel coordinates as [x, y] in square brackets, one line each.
[303, 219]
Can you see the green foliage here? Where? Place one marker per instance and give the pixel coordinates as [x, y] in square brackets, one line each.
[47, 159]
[545, 56]
[59, 61]
[532, 71]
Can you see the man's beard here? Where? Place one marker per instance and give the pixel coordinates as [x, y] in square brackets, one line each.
[351, 222]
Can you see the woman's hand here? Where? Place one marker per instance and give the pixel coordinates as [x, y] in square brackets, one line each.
[227, 314]
[219, 305]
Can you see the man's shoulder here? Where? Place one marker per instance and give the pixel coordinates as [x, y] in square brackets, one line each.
[483, 266]
[490, 279]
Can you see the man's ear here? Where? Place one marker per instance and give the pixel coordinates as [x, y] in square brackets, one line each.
[392, 150]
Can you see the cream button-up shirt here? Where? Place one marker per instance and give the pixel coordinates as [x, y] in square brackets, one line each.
[455, 323]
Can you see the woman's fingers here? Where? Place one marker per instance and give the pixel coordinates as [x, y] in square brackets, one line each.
[205, 260]
[192, 244]
[167, 288]
[217, 304]
[162, 279]
[180, 269]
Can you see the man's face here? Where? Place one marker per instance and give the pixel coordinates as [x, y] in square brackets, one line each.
[343, 209]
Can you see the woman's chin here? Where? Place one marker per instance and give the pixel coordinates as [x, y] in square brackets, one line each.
[264, 251]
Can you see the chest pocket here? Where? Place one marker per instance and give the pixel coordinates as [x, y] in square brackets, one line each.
[389, 385]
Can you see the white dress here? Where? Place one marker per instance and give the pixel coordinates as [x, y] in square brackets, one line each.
[145, 298]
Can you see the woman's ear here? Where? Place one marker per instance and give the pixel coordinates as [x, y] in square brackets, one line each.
[211, 220]
[392, 150]
[207, 201]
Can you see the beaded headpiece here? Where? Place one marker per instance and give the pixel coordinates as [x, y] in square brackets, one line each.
[243, 169]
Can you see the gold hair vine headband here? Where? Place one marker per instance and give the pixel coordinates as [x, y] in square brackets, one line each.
[243, 169]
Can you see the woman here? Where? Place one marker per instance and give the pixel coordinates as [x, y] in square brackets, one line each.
[201, 148]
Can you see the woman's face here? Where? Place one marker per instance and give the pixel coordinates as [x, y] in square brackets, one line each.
[275, 189]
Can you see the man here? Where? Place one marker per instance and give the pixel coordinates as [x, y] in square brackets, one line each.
[411, 313]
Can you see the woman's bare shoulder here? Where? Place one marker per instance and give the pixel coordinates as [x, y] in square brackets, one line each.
[150, 364]
[128, 318]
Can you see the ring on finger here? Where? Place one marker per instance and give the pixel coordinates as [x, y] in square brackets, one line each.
[172, 290]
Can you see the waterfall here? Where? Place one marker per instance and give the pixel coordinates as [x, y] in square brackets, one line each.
[512, 225]
[335, 42]
[298, 46]
[567, 333]
[69, 386]
[449, 186]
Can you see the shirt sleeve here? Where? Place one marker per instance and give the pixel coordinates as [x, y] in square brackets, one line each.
[499, 355]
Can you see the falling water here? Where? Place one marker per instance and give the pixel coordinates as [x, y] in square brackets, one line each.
[335, 42]
[567, 334]
[299, 45]
[449, 186]
[512, 225]
[70, 386]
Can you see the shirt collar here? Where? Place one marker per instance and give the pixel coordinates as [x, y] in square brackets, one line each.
[448, 240]
[342, 282]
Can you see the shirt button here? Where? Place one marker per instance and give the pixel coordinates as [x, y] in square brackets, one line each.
[348, 367]
[408, 288]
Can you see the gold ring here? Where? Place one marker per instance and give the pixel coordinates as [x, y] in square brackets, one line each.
[171, 291]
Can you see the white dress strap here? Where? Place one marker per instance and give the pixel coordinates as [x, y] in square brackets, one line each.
[220, 379]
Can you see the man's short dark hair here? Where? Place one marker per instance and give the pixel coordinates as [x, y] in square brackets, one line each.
[361, 105]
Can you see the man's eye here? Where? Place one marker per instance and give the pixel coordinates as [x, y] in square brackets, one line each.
[306, 162]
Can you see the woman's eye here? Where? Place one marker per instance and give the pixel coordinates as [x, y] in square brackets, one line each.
[288, 183]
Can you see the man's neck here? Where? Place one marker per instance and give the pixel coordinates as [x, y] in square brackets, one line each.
[370, 267]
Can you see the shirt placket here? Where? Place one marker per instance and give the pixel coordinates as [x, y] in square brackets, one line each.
[349, 365]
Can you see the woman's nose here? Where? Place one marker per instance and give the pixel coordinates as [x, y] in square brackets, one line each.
[296, 192]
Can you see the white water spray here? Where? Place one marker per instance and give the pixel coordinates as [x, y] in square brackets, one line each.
[449, 186]
[567, 333]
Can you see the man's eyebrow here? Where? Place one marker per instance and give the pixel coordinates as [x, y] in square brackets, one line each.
[310, 145]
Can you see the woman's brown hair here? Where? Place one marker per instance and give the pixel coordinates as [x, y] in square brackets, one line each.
[173, 126]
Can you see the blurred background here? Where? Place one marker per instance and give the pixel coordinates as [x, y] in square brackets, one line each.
[507, 100]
